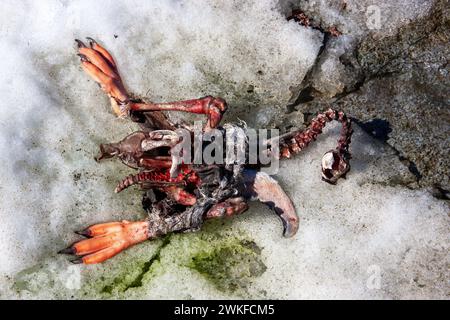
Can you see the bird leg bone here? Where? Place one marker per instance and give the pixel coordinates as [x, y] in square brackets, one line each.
[212, 107]
[100, 65]
[228, 208]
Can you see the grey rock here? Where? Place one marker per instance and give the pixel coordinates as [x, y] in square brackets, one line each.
[396, 86]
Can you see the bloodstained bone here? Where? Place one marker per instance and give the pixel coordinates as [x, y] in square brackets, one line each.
[210, 106]
[179, 197]
[301, 139]
[159, 179]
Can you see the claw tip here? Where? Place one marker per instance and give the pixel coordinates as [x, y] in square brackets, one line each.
[68, 250]
[80, 43]
[77, 261]
[91, 41]
[84, 233]
[83, 57]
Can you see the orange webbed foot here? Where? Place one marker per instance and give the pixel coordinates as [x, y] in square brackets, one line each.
[100, 65]
[106, 240]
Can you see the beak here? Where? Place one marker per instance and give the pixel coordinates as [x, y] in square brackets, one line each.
[268, 191]
[107, 151]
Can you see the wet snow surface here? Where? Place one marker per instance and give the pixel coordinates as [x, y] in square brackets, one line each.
[367, 237]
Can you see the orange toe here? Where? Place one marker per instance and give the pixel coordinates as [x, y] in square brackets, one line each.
[99, 61]
[102, 255]
[102, 51]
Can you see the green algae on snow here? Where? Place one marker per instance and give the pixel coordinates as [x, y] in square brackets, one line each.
[228, 259]
[228, 262]
[127, 281]
[230, 265]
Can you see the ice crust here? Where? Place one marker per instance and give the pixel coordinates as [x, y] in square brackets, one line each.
[53, 118]
[361, 17]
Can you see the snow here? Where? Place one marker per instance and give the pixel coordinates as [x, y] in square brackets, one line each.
[357, 21]
[53, 118]
[360, 17]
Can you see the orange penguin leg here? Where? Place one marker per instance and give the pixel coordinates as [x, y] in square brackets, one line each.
[106, 240]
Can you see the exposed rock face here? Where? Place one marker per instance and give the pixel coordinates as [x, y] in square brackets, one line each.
[395, 82]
